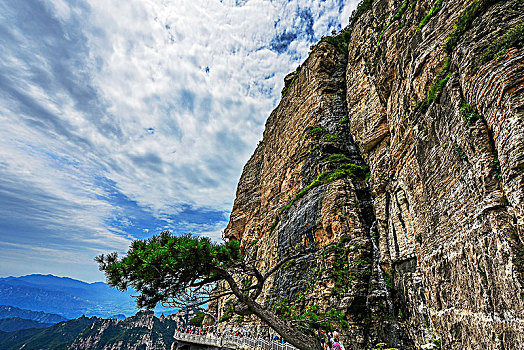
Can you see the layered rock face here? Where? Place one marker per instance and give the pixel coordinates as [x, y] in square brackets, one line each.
[448, 193]
[429, 96]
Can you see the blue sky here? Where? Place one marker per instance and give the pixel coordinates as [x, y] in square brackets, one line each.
[119, 119]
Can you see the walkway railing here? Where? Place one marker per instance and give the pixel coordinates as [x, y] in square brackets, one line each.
[233, 341]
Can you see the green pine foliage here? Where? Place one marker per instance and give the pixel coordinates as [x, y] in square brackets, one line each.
[164, 266]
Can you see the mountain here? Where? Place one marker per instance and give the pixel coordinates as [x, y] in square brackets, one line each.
[141, 331]
[39, 316]
[119, 317]
[66, 296]
[56, 337]
[396, 157]
[17, 323]
[11, 340]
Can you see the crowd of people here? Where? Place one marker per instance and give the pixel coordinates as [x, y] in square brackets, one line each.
[209, 330]
[328, 340]
[213, 331]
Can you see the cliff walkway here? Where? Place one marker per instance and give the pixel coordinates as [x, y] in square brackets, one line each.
[232, 342]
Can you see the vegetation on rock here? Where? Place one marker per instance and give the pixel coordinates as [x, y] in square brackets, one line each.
[347, 170]
[197, 320]
[297, 72]
[228, 312]
[470, 115]
[396, 17]
[512, 38]
[341, 40]
[56, 337]
[17, 323]
[437, 6]
[462, 24]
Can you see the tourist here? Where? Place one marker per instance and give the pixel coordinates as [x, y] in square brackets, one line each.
[336, 343]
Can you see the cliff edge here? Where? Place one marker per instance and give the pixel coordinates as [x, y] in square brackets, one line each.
[396, 155]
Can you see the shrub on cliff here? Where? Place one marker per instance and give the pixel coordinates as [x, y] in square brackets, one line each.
[197, 320]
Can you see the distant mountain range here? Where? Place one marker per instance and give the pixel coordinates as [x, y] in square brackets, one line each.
[16, 323]
[67, 297]
[142, 331]
[58, 336]
[38, 316]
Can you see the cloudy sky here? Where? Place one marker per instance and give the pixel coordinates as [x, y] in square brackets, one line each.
[119, 119]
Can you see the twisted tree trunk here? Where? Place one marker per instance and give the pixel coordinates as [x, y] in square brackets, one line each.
[285, 330]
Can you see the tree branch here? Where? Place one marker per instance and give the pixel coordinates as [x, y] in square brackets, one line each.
[299, 340]
[196, 303]
[203, 282]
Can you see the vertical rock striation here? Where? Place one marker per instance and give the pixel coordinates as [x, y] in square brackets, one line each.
[448, 192]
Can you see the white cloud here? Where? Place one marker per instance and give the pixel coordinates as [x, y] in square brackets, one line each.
[153, 75]
[110, 109]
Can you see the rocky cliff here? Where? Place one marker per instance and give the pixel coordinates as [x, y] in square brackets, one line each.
[142, 331]
[397, 156]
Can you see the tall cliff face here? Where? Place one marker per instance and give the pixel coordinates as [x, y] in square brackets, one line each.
[429, 245]
[448, 192]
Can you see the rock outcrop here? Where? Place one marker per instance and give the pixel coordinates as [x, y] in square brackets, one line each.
[142, 331]
[397, 156]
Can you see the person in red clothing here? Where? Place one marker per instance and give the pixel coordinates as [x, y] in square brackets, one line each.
[336, 344]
